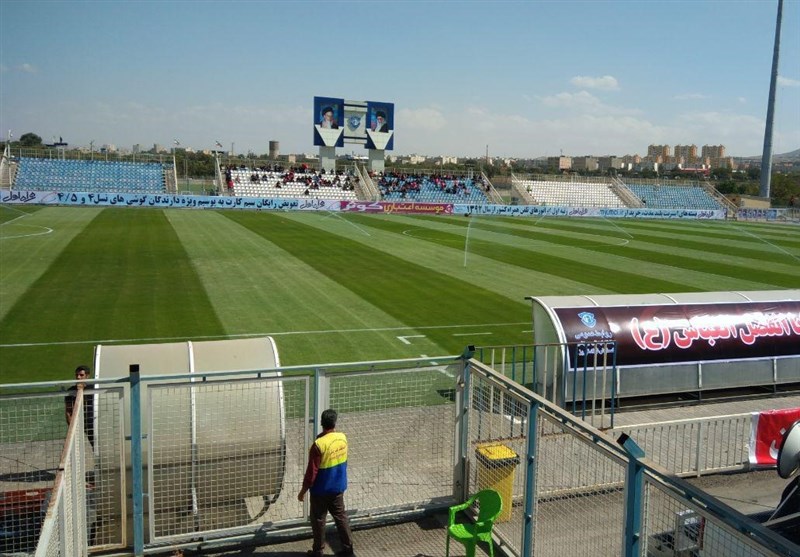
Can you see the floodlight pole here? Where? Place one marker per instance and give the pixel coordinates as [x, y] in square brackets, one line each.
[766, 156]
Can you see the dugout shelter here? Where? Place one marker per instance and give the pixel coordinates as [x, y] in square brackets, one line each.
[206, 440]
[661, 344]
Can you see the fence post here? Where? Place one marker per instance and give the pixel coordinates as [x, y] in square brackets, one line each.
[634, 495]
[136, 461]
[463, 386]
[530, 479]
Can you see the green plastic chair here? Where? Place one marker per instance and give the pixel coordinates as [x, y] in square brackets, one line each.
[481, 530]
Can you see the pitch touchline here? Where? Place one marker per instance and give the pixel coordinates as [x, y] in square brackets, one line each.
[245, 335]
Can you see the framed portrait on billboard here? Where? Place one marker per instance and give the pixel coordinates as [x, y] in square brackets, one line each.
[328, 122]
[380, 120]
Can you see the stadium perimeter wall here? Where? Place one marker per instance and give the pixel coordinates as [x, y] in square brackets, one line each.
[311, 204]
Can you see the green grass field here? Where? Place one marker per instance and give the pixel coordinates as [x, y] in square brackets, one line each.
[337, 287]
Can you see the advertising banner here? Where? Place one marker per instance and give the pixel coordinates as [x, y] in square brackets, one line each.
[385, 207]
[550, 211]
[687, 332]
[166, 201]
[766, 434]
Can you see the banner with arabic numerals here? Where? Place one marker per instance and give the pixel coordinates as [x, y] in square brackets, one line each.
[167, 201]
[662, 334]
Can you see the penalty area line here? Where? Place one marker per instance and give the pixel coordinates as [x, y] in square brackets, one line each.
[251, 335]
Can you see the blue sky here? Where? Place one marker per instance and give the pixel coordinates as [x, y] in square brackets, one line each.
[525, 78]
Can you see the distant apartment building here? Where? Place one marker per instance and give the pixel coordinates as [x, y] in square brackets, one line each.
[136, 149]
[723, 162]
[685, 155]
[449, 160]
[585, 163]
[713, 151]
[416, 159]
[559, 163]
[658, 153]
[605, 163]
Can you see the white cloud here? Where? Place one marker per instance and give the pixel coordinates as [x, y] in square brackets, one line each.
[605, 83]
[788, 82]
[428, 119]
[585, 102]
[691, 97]
[743, 131]
[571, 100]
[27, 68]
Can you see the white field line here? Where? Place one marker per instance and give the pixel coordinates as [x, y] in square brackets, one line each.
[23, 214]
[770, 244]
[535, 242]
[250, 335]
[469, 334]
[47, 230]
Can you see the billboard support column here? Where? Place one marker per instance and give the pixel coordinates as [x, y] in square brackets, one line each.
[327, 159]
[376, 159]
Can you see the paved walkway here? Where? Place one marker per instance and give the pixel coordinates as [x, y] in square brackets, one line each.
[748, 493]
[424, 537]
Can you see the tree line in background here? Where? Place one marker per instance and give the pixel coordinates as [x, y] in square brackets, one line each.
[785, 187]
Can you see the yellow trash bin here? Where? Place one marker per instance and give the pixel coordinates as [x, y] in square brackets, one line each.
[496, 466]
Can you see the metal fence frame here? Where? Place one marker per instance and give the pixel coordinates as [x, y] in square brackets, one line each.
[594, 467]
[694, 446]
[64, 530]
[569, 488]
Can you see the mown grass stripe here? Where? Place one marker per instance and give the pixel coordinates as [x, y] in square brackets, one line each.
[511, 281]
[679, 253]
[705, 265]
[411, 293]
[584, 270]
[125, 275]
[255, 285]
[25, 259]
[739, 234]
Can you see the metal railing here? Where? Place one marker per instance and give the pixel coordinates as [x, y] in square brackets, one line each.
[579, 377]
[64, 530]
[569, 489]
[695, 446]
[223, 457]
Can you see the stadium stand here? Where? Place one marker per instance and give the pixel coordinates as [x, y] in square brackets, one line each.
[569, 193]
[296, 182]
[89, 176]
[670, 196]
[425, 188]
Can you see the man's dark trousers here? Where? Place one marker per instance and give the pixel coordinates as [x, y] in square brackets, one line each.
[321, 505]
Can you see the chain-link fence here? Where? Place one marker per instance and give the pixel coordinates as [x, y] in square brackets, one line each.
[225, 454]
[32, 436]
[64, 531]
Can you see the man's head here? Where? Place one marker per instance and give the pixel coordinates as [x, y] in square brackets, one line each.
[81, 372]
[328, 419]
[380, 116]
[327, 113]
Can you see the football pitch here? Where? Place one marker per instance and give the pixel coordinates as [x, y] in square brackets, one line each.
[334, 287]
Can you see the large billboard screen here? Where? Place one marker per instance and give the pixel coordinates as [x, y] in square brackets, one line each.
[366, 123]
[328, 122]
[663, 334]
[380, 125]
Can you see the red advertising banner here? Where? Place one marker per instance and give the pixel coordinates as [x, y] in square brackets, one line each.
[689, 332]
[766, 432]
[398, 207]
